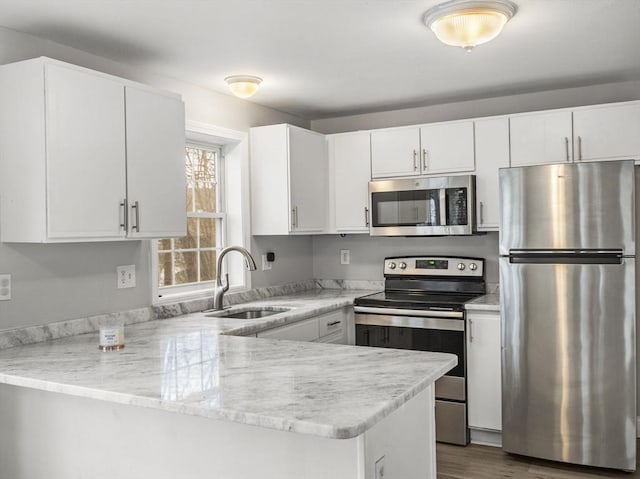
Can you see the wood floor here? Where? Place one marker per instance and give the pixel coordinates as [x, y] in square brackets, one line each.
[484, 462]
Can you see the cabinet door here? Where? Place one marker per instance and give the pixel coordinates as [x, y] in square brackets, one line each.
[308, 181]
[484, 370]
[85, 134]
[492, 153]
[395, 152]
[350, 155]
[155, 164]
[541, 138]
[447, 148]
[607, 132]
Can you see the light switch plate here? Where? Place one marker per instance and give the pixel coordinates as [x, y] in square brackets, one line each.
[345, 256]
[126, 276]
[5, 287]
[266, 265]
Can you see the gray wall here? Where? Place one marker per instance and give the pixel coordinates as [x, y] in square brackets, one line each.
[294, 259]
[568, 97]
[367, 253]
[55, 282]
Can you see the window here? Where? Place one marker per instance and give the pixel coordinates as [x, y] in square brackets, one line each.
[189, 263]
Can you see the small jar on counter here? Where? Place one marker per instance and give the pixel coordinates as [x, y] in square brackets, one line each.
[111, 334]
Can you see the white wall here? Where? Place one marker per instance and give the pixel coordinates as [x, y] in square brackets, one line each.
[54, 282]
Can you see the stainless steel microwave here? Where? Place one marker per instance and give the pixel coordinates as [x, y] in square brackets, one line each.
[436, 206]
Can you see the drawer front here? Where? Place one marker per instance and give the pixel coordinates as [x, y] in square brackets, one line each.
[331, 323]
[306, 330]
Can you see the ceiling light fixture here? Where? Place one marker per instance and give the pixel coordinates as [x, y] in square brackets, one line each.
[243, 86]
[468, 23]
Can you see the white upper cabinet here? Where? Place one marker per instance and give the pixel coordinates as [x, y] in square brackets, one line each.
[85, 154]
[155, 164]
[82, 151]
[350, 169]
[593, 133]
[395, 152]
[289, 180]
[428, 150]
[447, 148]
[607, 132]
[492, 153]
[541, 138]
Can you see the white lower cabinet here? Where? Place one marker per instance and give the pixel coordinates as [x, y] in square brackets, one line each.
[331, 327]
[484, 370]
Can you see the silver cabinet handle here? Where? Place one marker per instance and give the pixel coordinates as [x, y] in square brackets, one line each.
[566, 148]
[123, 223]
[294, 217]
[366, 216]
[481, 213]
[470, 330]
[333, 323]
[425, 165]
[415, 160]
[579, 148]
[136, 206]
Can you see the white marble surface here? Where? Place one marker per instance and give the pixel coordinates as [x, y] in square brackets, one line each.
[186, 366]
[299, 306]
[488, 302]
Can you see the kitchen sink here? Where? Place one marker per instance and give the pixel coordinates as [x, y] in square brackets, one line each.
[249, 313]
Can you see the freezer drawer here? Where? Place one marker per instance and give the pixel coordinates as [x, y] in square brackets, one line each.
[569, 361]
[568, 206]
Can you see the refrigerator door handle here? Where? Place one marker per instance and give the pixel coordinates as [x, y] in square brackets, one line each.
[564, 258]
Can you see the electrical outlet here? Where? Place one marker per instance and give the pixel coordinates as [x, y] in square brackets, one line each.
[379, 468]
[345, 256]
[266, 264]
[5, 287]
[126, 276]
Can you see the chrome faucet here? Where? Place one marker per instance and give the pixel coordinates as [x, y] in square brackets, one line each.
[220, 290]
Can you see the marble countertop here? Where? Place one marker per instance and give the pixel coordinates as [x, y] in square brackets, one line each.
[186, 365]
[488, 302]
[298, 306]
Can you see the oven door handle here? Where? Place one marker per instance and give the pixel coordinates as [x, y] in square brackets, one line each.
[422, 313]
[409, 322]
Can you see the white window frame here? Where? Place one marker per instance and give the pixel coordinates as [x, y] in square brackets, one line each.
[234, 169]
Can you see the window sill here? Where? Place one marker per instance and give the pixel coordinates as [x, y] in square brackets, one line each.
[203, 293]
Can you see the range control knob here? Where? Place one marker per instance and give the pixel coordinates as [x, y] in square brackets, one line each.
[473, 266]
[403, 265]
[392, 265]
[461, 266]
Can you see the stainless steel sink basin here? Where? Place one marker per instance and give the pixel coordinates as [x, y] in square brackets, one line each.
[248, 313]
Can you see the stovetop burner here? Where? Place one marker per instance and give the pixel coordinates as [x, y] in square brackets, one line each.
[405, 300]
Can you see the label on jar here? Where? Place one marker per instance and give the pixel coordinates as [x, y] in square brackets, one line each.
[111, 338]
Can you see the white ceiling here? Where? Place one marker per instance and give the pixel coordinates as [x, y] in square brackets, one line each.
[324, 58]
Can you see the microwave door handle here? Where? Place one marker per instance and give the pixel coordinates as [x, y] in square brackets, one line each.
[443, 207]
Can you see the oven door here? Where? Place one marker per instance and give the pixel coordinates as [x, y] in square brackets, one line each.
[439, 335]
[445, 335]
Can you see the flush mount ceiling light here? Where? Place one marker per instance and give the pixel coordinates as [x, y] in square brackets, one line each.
[243, 86]
[467, 23]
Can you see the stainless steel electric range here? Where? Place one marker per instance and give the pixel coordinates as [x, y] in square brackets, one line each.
[422, 308]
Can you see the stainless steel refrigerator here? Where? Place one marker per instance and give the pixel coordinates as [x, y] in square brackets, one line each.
[567, 286]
